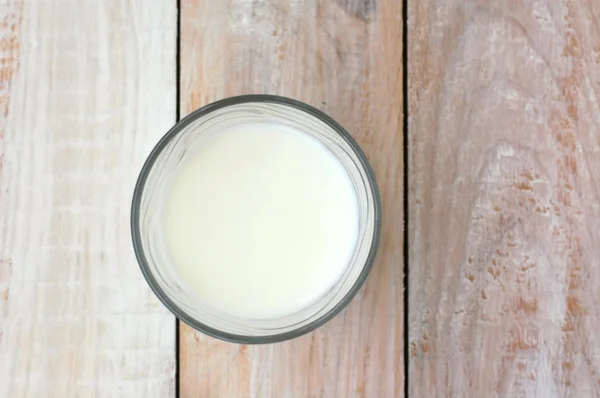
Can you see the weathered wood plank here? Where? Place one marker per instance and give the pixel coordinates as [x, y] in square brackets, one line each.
[504, 134]
[344, 57]
[86, 89]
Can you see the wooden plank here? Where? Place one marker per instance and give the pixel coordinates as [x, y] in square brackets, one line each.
[504, 134]
[86, 89]
[344, 57]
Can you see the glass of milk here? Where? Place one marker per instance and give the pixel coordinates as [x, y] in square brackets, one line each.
[256, 219]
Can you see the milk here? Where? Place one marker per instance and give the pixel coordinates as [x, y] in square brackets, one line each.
[261, 220]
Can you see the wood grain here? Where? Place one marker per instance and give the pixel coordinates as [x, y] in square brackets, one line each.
[344, 57]
[504, 134]
[86, 89]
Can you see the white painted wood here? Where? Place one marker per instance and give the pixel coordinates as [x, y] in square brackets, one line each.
[504, 198]
[86, 89]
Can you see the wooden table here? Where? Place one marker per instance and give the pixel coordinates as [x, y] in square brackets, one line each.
[87, 88]
[504, 192]
[500, 192]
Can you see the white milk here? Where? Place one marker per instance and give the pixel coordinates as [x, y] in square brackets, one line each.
[262, 220]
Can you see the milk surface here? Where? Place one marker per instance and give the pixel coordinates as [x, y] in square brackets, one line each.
[261, 220]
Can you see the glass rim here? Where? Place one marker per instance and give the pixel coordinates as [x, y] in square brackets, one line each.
[139, 190]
